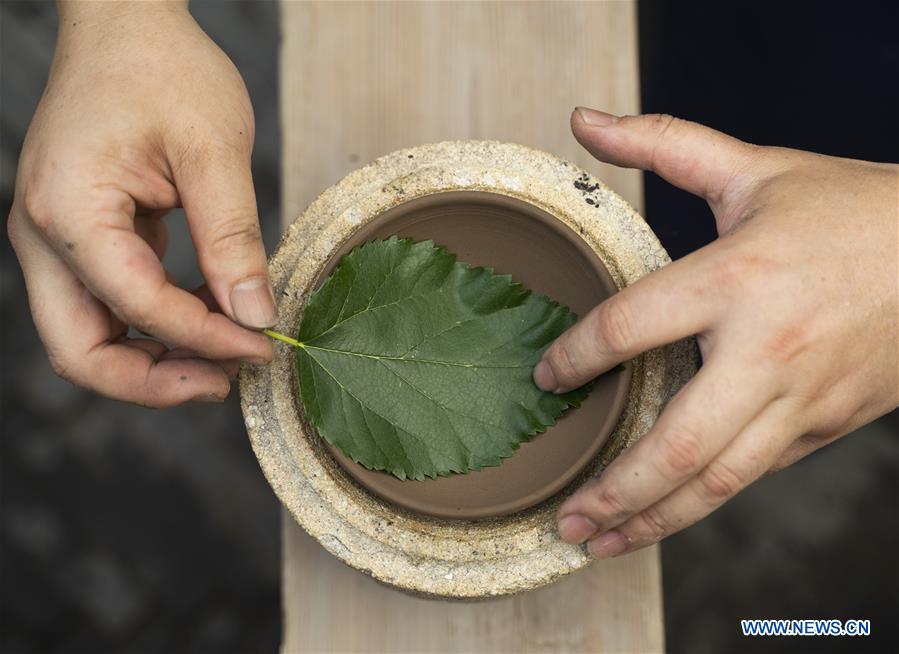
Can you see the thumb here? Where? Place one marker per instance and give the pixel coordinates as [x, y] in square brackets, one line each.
[220, 203]
[698, 159]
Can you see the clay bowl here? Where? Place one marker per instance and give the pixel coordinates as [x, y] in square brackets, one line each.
[512, 237]
[553, 228]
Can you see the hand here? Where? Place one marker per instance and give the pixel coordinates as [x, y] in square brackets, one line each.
[794, 308]
[142, 113]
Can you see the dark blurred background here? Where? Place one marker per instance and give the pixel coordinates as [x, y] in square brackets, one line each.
[127, 530]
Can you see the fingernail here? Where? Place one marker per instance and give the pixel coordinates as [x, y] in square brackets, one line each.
[253, 303]
[544, 377]
[575, 529]
[608, 544]
[596, 118]
[208, 397]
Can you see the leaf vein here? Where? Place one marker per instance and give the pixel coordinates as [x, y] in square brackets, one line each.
[441, 405]
[366, 406]
[379, 357]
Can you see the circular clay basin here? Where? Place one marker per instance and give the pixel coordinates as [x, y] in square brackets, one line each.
[517, 238]
[556, 230]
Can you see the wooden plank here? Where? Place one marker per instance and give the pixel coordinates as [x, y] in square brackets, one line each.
[613, 606]
[359, 80]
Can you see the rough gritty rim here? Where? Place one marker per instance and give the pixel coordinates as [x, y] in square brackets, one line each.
[431, 556]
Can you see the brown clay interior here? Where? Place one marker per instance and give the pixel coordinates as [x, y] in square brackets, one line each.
[517, 238]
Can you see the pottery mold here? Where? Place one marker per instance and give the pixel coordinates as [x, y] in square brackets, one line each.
[412, 551]
[511, 237]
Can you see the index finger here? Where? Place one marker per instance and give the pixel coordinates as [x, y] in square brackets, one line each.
[666, 305]
[122, 270]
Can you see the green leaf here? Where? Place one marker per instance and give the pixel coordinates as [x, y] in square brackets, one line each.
[417, 364]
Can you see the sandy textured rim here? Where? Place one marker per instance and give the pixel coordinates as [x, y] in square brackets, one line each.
[431, 556]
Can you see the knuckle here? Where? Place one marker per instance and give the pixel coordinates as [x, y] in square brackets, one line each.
[140, 315]
[37, 208]
[732, 271]
[781, 464]
[566, 366]
[843, 413]
[738, 271]
[786, 343]
[230, 146]
[660, 123]
[614, 326]
[561, 360]
[61, 367]
[236, 232]
[719, 481]
[655, 525]
[682, 451]
[612, 503]
[209, 149]
[835, 415]
[189, 154]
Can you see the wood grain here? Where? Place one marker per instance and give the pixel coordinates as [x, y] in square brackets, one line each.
[613, 606]
[359, 80]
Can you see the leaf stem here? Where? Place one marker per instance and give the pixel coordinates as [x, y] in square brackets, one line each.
[284, 339]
